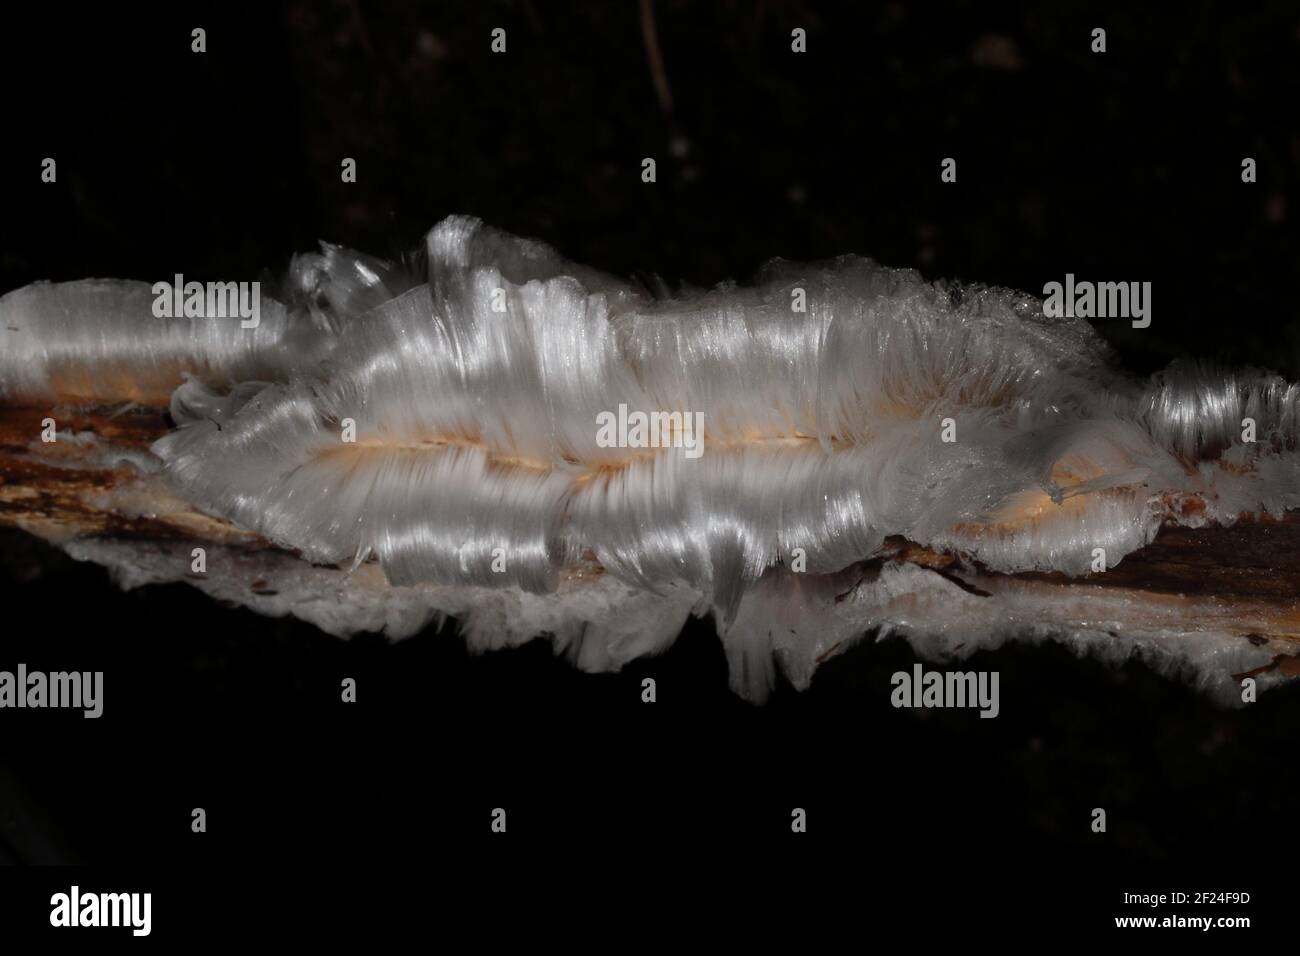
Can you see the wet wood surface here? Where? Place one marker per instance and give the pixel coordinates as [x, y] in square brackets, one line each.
[53, 490]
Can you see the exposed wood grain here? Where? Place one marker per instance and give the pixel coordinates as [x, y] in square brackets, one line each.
[1251, 569]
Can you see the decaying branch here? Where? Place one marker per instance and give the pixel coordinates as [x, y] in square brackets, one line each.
[1241, 582]
[489, 432]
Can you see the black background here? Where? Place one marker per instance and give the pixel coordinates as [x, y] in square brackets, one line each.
[1121, 166]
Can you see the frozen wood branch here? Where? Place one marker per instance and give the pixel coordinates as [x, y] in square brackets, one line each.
[533, 448]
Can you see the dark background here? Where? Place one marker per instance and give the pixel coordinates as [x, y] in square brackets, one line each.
[1120, 166]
